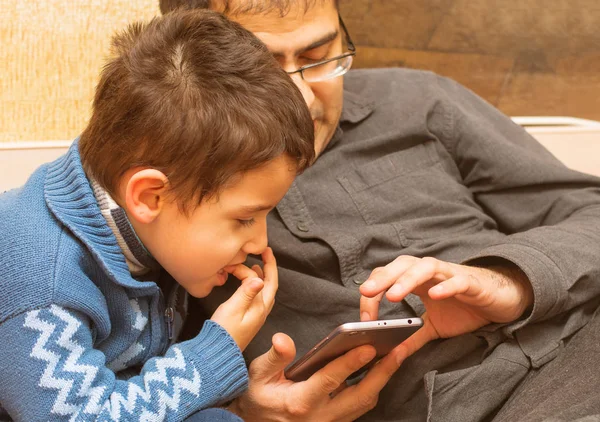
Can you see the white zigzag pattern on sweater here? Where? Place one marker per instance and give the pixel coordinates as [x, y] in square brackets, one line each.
[120, 362]
[139, 323]
[117, 401]
[165, 401]
[94, 393]
[48, 379]
[60, 407]
[140, 320]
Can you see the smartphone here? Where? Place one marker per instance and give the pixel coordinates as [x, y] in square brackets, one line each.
[384, 335]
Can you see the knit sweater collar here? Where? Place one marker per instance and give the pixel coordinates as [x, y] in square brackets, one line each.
[70, 198]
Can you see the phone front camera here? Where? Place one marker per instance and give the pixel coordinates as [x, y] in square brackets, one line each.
[410, 321]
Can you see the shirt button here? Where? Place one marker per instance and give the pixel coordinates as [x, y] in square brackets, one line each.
[302, 227]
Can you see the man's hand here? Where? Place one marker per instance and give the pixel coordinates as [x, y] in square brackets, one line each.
[323, 398]
[246, 310]
[458, 299]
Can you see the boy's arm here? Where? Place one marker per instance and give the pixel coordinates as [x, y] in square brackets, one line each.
[49, 369]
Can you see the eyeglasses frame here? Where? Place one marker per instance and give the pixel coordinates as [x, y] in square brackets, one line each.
[351, 52]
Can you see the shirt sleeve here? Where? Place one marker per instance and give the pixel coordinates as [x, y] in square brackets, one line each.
[50, 370]
[551, 214]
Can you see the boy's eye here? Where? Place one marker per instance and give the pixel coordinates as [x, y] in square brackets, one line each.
[246, 223]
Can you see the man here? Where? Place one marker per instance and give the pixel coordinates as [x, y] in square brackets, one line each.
[444, 206]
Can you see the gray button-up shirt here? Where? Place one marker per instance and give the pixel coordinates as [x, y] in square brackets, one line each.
[421, 166]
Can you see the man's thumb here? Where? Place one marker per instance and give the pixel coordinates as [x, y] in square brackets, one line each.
[271, 364]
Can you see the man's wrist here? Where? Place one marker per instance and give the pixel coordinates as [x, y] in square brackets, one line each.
[508, 275]
[512, 274]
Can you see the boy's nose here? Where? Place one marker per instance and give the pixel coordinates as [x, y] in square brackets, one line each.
[257, 245]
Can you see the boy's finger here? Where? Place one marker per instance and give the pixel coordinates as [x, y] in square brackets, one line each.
[361, 397]
[271, 277]
[245, 294]
[424, 335]
[380, 374]
[241, 272]
[271, 364]
[331, 376]
[268, 258]
[256, 268]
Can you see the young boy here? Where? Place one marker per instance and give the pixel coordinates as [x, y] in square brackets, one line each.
[195, 135]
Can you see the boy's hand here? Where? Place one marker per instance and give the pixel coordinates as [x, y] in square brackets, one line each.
[246, 310]
[272, 397]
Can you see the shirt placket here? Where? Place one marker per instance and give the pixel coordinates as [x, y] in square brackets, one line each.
[296, 215]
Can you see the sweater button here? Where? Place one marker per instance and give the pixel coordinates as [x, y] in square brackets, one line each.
[302, 227]
[358, 281]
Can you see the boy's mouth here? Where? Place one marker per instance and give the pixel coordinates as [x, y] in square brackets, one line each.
[221, 277]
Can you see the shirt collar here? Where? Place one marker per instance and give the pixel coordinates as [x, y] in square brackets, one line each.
[356, 107]
[139, 260]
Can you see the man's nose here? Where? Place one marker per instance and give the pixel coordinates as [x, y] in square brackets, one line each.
[305, 89]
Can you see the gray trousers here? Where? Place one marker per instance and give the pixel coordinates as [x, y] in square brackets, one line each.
[565, 389]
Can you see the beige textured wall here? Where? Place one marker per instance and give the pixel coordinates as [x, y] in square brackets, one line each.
[51, 53]
[539, 57]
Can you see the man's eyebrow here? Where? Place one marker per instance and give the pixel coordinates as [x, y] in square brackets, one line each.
[324, 40]
[318, 43]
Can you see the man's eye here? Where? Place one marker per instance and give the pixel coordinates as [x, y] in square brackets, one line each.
[246, 223]
[312, 60]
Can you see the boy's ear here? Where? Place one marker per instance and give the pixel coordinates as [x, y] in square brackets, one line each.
[144, 195]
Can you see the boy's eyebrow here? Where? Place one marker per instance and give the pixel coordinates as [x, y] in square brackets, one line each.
[318, 43]
[255, 208]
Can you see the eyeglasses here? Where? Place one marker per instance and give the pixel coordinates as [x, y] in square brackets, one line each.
[330, 68]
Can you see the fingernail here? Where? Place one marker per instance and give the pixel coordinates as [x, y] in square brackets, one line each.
[438, 290]
[396, 289]
[364, 316]
[256, 282]
[370, 284]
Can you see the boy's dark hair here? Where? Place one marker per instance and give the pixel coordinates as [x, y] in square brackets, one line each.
[235, 7]
[197, 97]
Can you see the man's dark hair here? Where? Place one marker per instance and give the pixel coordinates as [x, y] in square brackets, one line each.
[239, 7]
[197, 97]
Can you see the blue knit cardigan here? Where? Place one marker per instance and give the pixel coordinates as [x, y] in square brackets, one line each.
[73, 320]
